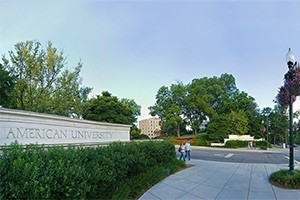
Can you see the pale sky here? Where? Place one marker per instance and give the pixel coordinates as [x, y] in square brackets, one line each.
[132, 48]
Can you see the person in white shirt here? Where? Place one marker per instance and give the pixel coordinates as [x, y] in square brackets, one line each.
[188, 150]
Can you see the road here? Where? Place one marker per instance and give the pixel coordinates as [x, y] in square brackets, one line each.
[271, 156]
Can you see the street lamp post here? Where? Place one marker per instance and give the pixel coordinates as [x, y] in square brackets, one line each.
[290, 59]
[265, 130]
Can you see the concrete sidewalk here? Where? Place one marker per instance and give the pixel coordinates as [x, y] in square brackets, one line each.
[222, 180]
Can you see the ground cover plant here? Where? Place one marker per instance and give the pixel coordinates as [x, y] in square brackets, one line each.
[118, 171]
[284, 179]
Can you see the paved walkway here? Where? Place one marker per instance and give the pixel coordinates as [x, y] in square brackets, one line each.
[221, 180]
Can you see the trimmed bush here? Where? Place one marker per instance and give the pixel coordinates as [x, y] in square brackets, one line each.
[35, 172]
[236, 144]
[242, 144]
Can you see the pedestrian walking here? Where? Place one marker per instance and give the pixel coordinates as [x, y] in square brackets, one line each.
[182, 150]
[188, 150]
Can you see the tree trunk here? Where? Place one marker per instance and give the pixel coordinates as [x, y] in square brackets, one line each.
[178, 131]
[195, 131]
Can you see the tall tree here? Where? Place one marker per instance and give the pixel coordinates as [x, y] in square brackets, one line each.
[168, 107]
[245, 102]
[203, 99]
[235, 100]
[130, 104]
[207, 97]
[225, 124]
[6, 87]
[108, 108]
[277, 121]
[197, 107]
[230, 85]
[43, 84]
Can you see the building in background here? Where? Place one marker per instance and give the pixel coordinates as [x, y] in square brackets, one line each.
[150, 127]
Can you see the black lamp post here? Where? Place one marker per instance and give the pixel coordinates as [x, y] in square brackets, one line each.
[267, 130]
[290, 59]
[263, 129]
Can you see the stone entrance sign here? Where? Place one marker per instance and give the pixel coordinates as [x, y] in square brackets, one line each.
[36, 128]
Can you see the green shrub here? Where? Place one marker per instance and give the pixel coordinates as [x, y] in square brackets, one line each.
[201, 139]
[263, 145]
[236, 144]
[33, 172]
[284, 179]
[242, 144]
[137, 185]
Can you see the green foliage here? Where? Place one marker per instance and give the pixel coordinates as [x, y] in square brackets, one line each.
[42, 84]
[201, 139]
[297, 137]
[238, 122]
[139, 137]
[223, 125]
[137, 185]
[202, 99]
[6, 87]
[217, 129]
[135, 133]
[276, 123]
[242, 144]
[283, 178]
[236, 144]
[131, 105]
[263, 145]
[168, 107]
[198, 103]
[108, 108]
[34, 172]
[171, 124]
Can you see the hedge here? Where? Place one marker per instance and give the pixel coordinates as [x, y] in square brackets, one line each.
[241, 144]
[35, 172]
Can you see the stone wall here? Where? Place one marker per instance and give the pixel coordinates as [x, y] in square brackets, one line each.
[237, 137]
[29, 127]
